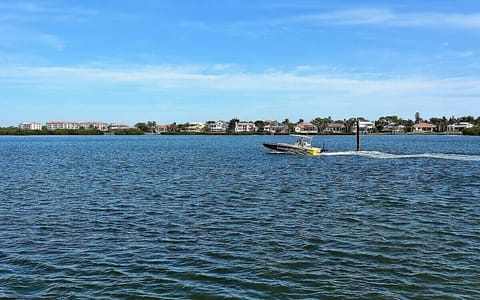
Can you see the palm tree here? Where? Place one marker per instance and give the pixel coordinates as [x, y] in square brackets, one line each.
[151, 125]
[418, 119]
[289, 125]
[232, 124]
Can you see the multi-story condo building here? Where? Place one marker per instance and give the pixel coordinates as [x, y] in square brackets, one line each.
[94, 125]
[54, 125]
[30, 126]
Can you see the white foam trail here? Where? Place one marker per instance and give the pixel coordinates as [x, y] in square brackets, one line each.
[383, 155]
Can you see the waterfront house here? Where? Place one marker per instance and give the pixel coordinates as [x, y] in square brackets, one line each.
[216, 126]
[54, 125]
[459, 127]
[195, 127]
[364, 126]
[275, 127]
[423, 128]
[245, 127]
[118, 126]
[30, 126]
[335, 128]
[164, 128]
[306, 127]
[393, 128]
[94, 125]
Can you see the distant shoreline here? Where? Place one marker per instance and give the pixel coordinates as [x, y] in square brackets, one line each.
[20, 132]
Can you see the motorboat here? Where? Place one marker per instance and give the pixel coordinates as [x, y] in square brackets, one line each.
[302, 146]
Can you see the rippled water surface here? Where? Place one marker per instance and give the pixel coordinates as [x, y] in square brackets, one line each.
[219, 217]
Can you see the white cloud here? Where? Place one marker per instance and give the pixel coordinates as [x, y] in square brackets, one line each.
[212, 78]
[209, 93]
[436, 20]
[349, 17]
[303, 68]
[385, 17]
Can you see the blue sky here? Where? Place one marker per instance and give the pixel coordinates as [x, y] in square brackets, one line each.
[185, 61]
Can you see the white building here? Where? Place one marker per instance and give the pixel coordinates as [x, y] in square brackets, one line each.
[364, 126]
[195, 127]
[458, 127]
[245, 127]
[117, 126]
[54, 125]
[30, 126]
[94, 125]
[216, 126]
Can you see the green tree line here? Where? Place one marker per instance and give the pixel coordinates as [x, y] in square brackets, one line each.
[322, 123]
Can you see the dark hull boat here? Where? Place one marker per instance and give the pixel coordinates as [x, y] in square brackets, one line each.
[302, 146]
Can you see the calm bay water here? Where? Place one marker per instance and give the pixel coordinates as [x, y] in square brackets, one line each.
[219, 217]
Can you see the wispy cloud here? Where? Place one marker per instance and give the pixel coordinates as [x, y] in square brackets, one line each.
[351, 17]
[44, 8]
[28, 7]
[257, 28]
[19, 29]
[196, 92]
[28, 13]
[464, 54]
[345, 17]
[13, 37]
[50, 40]
[388, 18]
[214, 78]
[437, 20]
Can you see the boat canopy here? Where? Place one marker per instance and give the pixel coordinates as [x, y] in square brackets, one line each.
[303, 140]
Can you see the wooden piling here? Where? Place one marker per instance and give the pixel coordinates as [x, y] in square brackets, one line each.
[358, 134]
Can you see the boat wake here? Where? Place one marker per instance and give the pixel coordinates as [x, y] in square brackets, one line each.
[383, 155]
